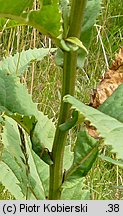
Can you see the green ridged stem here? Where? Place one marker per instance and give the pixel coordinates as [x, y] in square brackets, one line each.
[68, 87]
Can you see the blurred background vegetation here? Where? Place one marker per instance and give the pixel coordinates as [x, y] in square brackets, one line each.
[44, 83]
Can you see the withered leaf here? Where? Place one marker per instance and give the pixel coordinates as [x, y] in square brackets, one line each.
[112, 79]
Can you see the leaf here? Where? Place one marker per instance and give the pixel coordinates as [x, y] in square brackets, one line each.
[38, 169]
[14, 161]
[110, 82]
[77, 42]
[10, 181]
[18, 63]
[47, 19]
[17, 168]
[59, 57]
[12, 143]
[14, 158]
[85, 153]
[7, 24]
[70, 122]
[14, 97]
[43, 173]
[26, 122]
[113, 106]
[108, 96]
[49, 25]
[19, 101]
[1, 119]
[110, 160]
[65, 8]
[109, 128]
[91, 13]
[16, 8]
[75, 193]
[10, 64]
[68, 157]
[39, 172]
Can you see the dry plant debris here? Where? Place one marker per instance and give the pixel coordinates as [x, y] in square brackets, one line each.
[112, 79]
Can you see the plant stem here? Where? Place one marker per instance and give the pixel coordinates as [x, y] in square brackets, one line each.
[60, 136]
[68, 87]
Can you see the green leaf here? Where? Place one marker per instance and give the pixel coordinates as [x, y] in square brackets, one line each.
[65, 8]
[27, 122]
[19, 94]
[47, 19]
[77, 42]
[1, 119]
[12, 142]
[43, 173]
[10, 181]
[91, 13]
[14, 96]
[113, 105]
[44, 130]
[85, 153]
[77, 192]
[17, 168]
[110, 160]
[68, 157]
[73, 185]
[29, 186]
[12, 161]
[20, 102]
[7, 24]
[59, 57]
[109, 128]
[39, 172]
[14, 7]
[70, 122]
[18, 63]
[14, 158]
